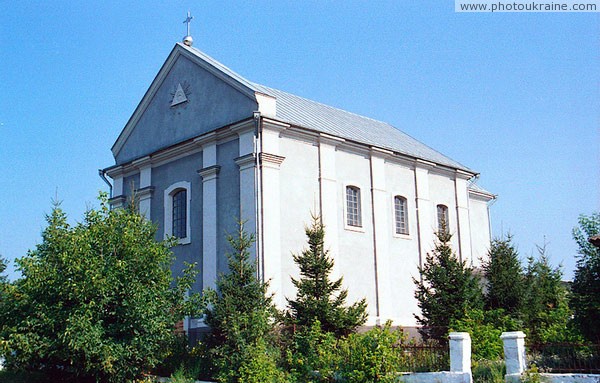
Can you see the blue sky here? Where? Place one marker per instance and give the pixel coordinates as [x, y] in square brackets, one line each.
[514, 96]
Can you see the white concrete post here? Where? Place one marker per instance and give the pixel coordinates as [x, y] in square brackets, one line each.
[460, 352]
[514, 352]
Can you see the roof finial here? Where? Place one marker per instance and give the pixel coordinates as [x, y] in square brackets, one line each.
[187, 40]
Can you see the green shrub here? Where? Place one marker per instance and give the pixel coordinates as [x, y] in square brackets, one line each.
[489, 371]
[485, 328]
[313, 356]
[373, 356]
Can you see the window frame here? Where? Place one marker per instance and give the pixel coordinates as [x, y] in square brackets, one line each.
[406, 231]
[359, 203]
[446, 216]
[169, 195]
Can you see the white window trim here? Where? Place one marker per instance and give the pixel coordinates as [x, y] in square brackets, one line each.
[408, 220]
[168, 209]
[360, 229]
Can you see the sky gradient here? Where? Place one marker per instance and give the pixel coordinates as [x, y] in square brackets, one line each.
[514, 96]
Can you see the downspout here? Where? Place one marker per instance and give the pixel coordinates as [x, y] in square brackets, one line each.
[489, 204]
[458, 231]
[102, 174]
[418, 224]
[258, 187]
[472, 180]
[377, 308]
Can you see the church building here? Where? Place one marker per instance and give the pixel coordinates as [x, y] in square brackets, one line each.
[206, 147]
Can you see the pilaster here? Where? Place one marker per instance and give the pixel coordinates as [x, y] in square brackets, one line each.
[329, 192]
[425, 225]
[271, 224]
[118, 199]
[209, 175]
[381, 234]
[462, 218]
[144, 193]
[247, 166]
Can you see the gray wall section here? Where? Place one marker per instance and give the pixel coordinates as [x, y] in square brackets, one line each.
[211, 104]
[130, 183]
[184, 169]
[228, 199]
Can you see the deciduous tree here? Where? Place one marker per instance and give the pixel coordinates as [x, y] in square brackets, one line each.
[96, 301]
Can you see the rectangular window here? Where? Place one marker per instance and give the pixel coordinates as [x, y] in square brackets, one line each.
[400, 209]
[442, 215]
[179, 214]
[353, 210]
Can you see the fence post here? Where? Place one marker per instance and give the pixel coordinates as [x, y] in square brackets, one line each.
[514, 353]
[460, 352]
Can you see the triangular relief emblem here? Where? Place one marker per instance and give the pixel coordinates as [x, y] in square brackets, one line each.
[179, 96]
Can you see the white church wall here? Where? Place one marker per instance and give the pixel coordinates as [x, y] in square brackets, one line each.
[299, 185]
[480, 235]
[442, 191]
[403, 249]
[355, 260]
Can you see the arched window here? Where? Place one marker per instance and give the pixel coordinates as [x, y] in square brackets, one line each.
[353, 209]
[177, 199]
[179, 222]
[401, 214]
[442, 216]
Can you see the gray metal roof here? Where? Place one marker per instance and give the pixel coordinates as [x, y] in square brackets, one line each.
[312, 115]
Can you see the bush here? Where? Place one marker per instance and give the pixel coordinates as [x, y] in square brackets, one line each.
[96, 301]
[373, 356]
[485, 328]
[489, 371]
[313, 355]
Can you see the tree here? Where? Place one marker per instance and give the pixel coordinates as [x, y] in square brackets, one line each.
[240, 314]
[545, 309]
[504, 275]
[96, 301]
[3, 266]
[318, 298]
[585, 299]
[446, 291]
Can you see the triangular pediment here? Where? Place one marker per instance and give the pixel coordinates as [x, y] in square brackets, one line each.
[192, 94]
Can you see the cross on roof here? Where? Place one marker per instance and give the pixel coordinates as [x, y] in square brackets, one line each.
[187, 21]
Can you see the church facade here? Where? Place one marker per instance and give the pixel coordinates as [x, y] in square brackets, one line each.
[206, 148]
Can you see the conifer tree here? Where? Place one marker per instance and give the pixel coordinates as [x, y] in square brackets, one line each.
[504, 276]
[318, 298]
[446, 291]
[240, 314]
[585, 300]
[545, 310]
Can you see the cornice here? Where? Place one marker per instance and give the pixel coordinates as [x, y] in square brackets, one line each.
[272, 124]
[246, 161]
[144, 192]
[117, 200]
[142, 162]
[270, 159]
[486, 197]
[210, 172]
